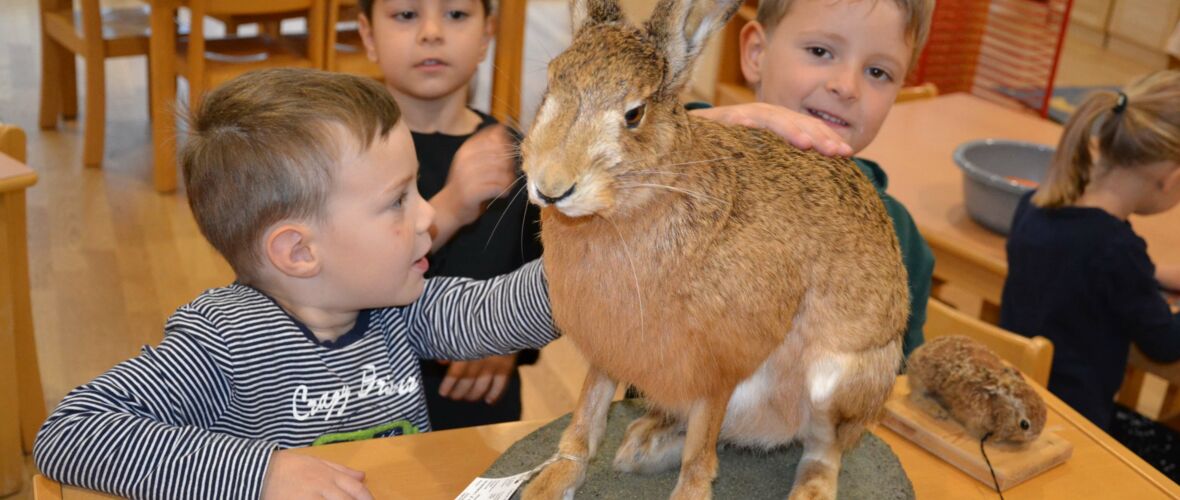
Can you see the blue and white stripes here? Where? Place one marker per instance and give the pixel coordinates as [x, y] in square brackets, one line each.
[236, 378]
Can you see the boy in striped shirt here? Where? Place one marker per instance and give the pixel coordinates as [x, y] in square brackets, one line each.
[305, 182]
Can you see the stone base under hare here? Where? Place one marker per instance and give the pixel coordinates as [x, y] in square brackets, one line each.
[870, 470]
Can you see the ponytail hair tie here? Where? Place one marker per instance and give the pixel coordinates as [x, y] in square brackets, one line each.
[1121, 104]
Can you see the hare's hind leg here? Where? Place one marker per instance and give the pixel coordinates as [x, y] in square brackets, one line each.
[698, 464]
[653, 443]
[578, 443]
[845, 393]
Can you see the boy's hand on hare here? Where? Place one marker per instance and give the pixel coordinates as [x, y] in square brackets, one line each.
[291, 475]
[798, 129]
[478, 379]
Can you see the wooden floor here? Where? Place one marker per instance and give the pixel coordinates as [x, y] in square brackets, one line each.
[111, 258]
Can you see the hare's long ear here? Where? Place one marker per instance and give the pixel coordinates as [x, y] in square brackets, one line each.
[680, 29]
[590, 12]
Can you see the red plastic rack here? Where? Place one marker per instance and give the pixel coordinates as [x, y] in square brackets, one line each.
[1003, 50]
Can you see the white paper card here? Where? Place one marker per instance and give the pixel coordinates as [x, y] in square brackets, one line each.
[483, 488]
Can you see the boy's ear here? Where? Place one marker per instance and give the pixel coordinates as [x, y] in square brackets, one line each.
[291, 250]
[1171, 180]
[752, 42]
[366, 30]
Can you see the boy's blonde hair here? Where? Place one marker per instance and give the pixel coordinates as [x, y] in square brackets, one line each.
[1143, 130]
[917, 14]
[264, 147]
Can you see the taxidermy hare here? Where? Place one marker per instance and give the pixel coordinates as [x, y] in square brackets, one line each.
[754, 293]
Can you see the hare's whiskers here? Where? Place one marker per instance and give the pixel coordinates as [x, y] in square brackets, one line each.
[634, 273]
[694, 194]
[503, 213]
[667, 165]
[510, 185]
[643, 173]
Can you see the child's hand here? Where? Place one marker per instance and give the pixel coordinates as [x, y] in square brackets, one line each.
[292, 475]
[800, 130]
[1168, 277]
[482, 170]
[482, 378]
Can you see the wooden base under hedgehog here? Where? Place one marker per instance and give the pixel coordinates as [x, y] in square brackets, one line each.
[958, 377]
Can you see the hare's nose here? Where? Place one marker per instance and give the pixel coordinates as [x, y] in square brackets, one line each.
[552, 200]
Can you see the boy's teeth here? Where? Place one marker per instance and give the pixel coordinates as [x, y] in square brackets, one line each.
[829, 118]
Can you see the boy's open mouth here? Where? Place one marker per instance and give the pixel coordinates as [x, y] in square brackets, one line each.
[422, 264]
[430, 63]
[828, 117]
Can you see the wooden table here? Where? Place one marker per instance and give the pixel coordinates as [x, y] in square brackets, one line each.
[20, 379]
[915, 147]
[441, 464]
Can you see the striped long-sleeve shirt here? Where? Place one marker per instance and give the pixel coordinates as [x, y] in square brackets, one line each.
[236, 378]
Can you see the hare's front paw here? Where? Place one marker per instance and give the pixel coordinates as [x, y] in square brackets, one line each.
[651, 444]
[557, 480]
[688, 489]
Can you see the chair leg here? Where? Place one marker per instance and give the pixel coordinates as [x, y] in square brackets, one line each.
[96, 99]
[69, 86]
[51, 80]
[148, 60]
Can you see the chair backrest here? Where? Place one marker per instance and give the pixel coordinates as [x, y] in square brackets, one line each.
[1033, 356]
[922, 91]
[12, 142]
[316, 43]
[506, 80]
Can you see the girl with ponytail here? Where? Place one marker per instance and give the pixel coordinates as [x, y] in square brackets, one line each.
[1077, 272]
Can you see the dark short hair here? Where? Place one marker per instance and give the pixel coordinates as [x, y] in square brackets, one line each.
[367, 7]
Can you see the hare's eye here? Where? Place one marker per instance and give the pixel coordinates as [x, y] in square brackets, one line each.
[1024, 425]
[634, 115]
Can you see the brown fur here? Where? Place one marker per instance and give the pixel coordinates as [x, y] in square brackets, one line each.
[741, 260]
[958, 377]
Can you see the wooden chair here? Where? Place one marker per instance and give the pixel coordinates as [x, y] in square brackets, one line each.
[921, 91]
[346, 52]
[206, 63]
[508, 60]
[1032, 356]
[95, 33]
[20, 378]
[968, 271]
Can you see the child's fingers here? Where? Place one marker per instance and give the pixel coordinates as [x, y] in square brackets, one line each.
[499, 382]
[480, 388]
[455, 373]
[353, 473]
[353, 488]
[461, 387]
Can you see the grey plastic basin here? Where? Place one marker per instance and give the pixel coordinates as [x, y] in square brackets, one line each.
[989, 167]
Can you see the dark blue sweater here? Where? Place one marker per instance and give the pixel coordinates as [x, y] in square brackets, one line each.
[1083, 279]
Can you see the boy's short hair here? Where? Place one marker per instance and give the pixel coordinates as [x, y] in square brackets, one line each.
[917, 14]
[367, 7]
[264, 147]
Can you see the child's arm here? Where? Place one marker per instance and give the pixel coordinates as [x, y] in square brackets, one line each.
[140, 429]
[1133, 294]
[484, 168]
[1169, 277]
[800, 130]
[459, 318]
